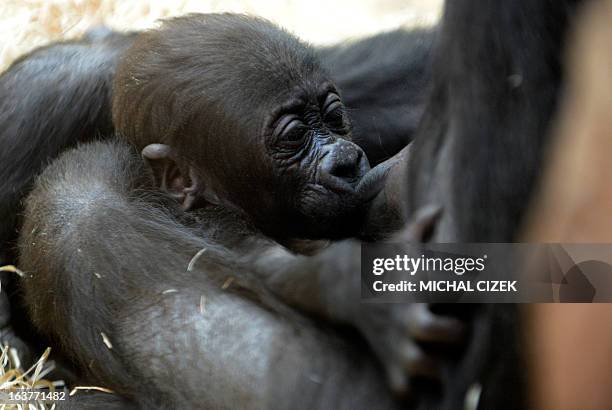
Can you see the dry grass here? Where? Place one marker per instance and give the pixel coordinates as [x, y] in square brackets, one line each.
[13, 378]
[25, 24]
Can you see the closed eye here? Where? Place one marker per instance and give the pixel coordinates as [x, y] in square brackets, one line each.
[289, 128]
[332, 103]
[333, 114]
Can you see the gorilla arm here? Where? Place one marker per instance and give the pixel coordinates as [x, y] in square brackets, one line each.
[110, 281]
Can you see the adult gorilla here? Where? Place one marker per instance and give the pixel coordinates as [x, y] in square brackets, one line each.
[496, 80]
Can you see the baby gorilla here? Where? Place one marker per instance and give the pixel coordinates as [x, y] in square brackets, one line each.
[232, 110]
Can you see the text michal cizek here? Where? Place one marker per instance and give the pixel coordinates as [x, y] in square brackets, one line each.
[456, 266]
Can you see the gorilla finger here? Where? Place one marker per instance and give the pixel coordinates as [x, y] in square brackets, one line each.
[423, 222]
[372, 182]
[399, 380]
[426, 326]
[418, 363]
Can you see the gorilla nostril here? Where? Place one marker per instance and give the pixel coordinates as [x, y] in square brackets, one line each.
[343, 166]
[347, 164]
[346, 169]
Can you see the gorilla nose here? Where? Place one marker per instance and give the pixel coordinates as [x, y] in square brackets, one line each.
[343, 165]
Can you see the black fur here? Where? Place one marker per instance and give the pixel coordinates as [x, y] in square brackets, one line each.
[496, 81]
[98, 230]
[50, 100]
[496, 78]
[73, 80]
[116, 258]
[384, 80]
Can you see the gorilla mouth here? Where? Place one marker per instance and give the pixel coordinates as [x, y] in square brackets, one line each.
[325, 211]
[329, 198]
[340, 186]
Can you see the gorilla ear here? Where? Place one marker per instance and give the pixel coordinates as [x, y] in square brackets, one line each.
[171, 175]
